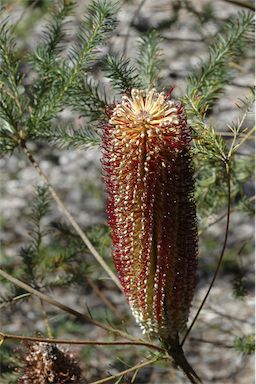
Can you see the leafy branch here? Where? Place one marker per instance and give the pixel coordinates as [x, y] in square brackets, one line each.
[97, 25]
[237, 129]
[206, 84]
[149, 59]
[71, 137]
[123, 76]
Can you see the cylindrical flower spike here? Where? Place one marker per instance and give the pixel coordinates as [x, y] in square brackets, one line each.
[151, 210]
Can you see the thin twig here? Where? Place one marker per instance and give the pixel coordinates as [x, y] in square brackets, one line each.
[220, 258]
[72, 311]
[242, 3]
[46, 320]
[221, 217]
[7, 336]
[69, 217]
[230, 134]
[165, 37]
[244, 138]
[51, 301]
[27, 9]
[136, 13]
[101, 295]
[134, 368]
[14, 299]
[232, 318]
[212, 342]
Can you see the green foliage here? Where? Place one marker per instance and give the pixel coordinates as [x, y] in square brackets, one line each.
[11, 88]
[28, 115]
[211, 186]
[211, 153]
[9, 363]
[32, 253]
[45, 262]
[100, 237]
[71, 137]
[243, 172]
[100, 20]
[9, 378]
[122, 74]
[89, 99]
[237, 128]
[45, 60]
[55, 30]
[246, 204]
[210, 182]
[149, 59]
[245, 344]
[206, 84]
[239, 287]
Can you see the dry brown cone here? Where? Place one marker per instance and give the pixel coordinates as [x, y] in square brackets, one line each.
[45, 363]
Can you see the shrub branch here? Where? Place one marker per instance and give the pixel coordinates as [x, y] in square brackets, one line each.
[65, 308]
[7, 336]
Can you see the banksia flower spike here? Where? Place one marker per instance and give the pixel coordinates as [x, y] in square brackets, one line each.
[151, 210]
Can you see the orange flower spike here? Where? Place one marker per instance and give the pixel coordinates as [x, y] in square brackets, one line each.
[151, 210]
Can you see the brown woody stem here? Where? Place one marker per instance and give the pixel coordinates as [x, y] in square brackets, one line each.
[174, 349]
[7, 336]
[242, 3]
[46, 320]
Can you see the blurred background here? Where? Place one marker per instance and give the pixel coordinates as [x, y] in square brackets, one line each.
[187, 28]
